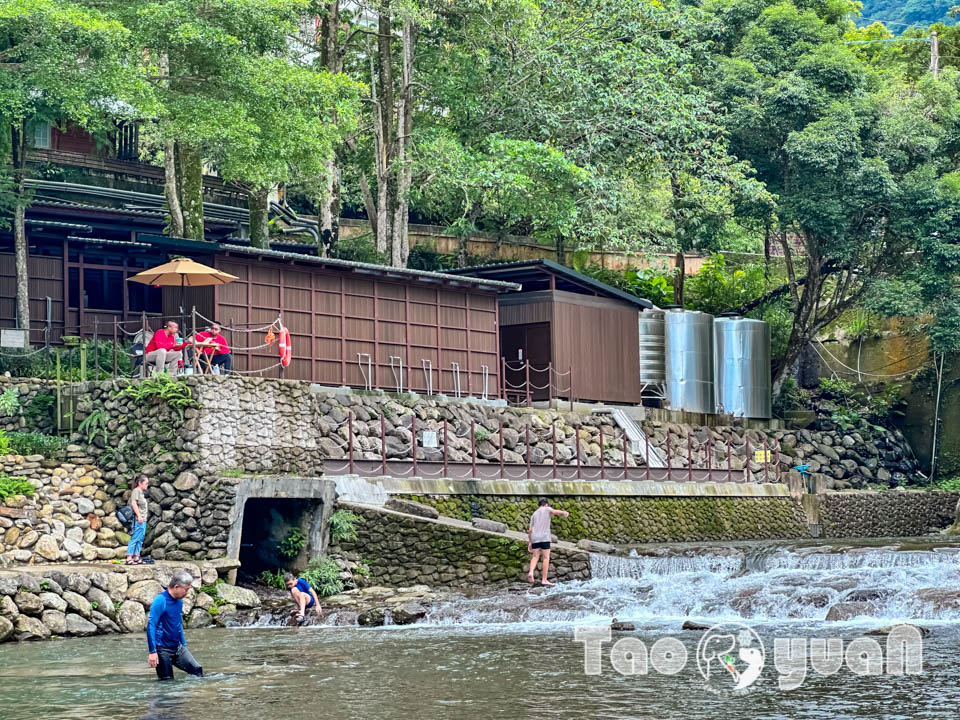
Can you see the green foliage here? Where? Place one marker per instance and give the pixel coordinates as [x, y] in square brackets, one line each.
[358, 248]
[272, 579]
[4, 443]
[293, 543]
[10, 402]
[845, 418]
[161, 389]
[93, 424]
[343, 525]
[837, 388]
[480, 434]
[11, 486]
[34, 443]
[39, 411]
[787, 399]
[646, 283]
[323, 574]
[719, 288]
[233, 472]
[951, 484]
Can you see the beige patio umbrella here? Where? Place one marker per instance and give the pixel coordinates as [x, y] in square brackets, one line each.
[183, 272]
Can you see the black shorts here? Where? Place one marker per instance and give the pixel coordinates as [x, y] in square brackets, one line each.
[540, 545]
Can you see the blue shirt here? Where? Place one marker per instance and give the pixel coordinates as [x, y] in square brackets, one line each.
[165, 628]
[304, 587]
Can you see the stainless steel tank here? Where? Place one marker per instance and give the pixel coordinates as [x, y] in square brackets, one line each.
[652, 362]
[688, 346]
[741, 350]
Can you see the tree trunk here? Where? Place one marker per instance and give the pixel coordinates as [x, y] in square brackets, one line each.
[18, 145]
[681, 276]
[189, 170]
[404, 173]
[258, 201]
[331, 55]
[170, 189]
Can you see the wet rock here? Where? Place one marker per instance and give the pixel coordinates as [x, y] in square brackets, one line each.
[408, 613]
[131, 617]
[103, 623]
[78, 603]
[55, 620]
[596, 547]
[374, 617]
[940, 599]
[79, 626]
[849, 610]
[241, 597]
[199, 618]
[864, 595]
[30, 628]
[101, 602]
[887, 629]
[691, 625]
[6, 629]
[623, 626]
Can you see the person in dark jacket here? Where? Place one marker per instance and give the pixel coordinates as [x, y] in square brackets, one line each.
[166, 642]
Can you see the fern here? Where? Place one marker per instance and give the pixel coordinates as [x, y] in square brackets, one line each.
[343, 525]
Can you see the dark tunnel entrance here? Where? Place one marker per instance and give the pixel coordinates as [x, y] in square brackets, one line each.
[267, 522]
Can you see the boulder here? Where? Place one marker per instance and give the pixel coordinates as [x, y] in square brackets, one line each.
[139, 573]
[6, 629]
[408, 613]
[101, 602]
[47, 548]
[489, 525]
[28, 603]
[77, 625]
[131, 617]
[887, 629]
[117, 586]
[29, 583]
[53, 601]
[103, 623]
[8, 586]
[199, 618]
[241, 597]
[144, 591]
[691, 625]
[203, 602]
[622, 626]
[8, 608]
[848, 611]
[411, 508]
[78, 603]
[186, 481]
[78, 583]
[100, 580]
[596, 547]
[55, 621]
[374, 617]
[29, 628]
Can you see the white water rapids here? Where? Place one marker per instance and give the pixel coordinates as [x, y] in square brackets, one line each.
[761, 585]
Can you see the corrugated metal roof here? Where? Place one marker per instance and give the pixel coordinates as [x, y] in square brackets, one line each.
[106, 241]
[79, 227]
[548, 267]
[383, 270]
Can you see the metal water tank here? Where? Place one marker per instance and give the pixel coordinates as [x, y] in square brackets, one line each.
[688, 346]
[652, 368]
[741, 349]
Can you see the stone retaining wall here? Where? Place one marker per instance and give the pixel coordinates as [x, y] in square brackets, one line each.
[82, 600]
[886, 514]
[638, 519]
[402, 550]
[36, 405]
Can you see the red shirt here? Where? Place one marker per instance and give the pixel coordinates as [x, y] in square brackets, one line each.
[162, 341]
[222, 347]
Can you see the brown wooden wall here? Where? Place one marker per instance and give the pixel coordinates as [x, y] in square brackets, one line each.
[46, 280]
[598, 338]
[333, 315]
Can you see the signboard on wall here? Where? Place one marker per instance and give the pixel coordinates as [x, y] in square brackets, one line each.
[12, 338]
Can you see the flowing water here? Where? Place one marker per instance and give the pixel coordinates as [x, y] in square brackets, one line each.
[514, 655]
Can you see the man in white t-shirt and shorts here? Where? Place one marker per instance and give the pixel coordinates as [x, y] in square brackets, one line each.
[539, 538]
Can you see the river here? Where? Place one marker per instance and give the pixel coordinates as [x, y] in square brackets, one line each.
[514, 655]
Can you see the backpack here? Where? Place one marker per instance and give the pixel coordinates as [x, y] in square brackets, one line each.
[125, 516]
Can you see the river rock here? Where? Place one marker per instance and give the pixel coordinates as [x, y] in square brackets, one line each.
[203, 601]
[241, 597]
[55, 621]
[139, 573]
[622, 626]
[47, 548]
[489, 525]
[117, 586]
[79, 626]
[28, 539]
[939, 598]
[53, 601]
[408, 613]
[28, 603]
[8, 608]
[100, 580]
[8, 586]
[887, 629]
[199, 618]
[29, 628]
[374, 617]
[6, 629]
[144, 591]
[103, 623]
[78, 603]
[29, 583]
[596, 547]
[848, 611]
[131, 617]
[691, 625]
[78, 583]
[101, 602]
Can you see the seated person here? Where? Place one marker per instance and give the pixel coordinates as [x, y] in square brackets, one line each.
[219, 355]
[164, 351]
[303, 595]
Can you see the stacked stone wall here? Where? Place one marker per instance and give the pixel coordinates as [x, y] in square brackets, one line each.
[886, 514]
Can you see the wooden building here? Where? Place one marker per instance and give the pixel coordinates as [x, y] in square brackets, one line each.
[564, 321]
[351, 323]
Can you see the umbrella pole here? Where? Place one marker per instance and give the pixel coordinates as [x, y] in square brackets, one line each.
[183, 300]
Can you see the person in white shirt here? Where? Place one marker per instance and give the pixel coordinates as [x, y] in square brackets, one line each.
[538, 539]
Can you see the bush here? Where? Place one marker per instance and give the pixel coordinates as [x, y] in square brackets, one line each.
[10, 402]
[787, 399]
[361, 248]
[11, 486]
[836, 388]
[951, 484]
[292, 544]
[323, 574]
[272, 579]
[645, 283]
[343, 525]
[34, 443]
[39, 411]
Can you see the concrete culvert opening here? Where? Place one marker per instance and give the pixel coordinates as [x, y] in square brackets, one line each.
[267, 523]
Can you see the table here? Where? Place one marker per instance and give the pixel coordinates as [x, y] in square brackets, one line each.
[203, 362]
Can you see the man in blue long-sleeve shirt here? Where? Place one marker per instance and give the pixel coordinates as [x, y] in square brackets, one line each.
[165, 639]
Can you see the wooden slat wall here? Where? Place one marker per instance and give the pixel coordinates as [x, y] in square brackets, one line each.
[598, 339]
[46, 279]
[333, 316]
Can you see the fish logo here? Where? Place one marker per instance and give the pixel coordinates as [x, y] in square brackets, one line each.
[730, 653]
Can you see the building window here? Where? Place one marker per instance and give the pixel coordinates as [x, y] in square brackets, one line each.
[41, 134]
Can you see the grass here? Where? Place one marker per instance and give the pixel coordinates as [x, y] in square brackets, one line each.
[232, 473]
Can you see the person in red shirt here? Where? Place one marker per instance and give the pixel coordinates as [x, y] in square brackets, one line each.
[164, 351]
[221, 353]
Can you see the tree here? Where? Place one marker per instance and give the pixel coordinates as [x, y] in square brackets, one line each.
[59, 63]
